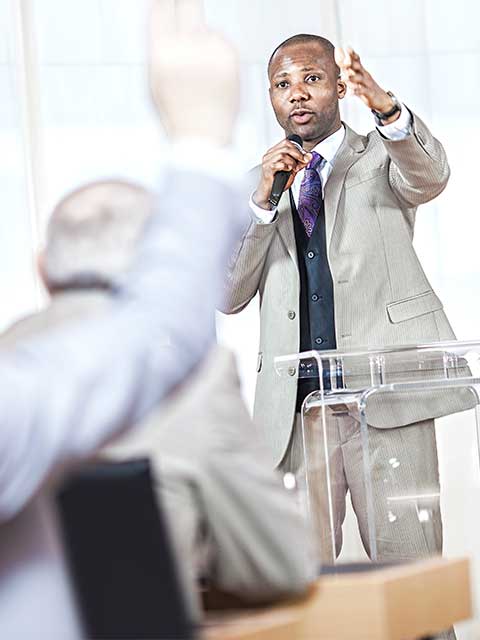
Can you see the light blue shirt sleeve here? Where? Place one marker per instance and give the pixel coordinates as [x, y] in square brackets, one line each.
[65, 394]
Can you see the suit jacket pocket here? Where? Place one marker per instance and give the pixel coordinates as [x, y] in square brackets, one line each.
[418, 305]
[259, 362]
[365, 176]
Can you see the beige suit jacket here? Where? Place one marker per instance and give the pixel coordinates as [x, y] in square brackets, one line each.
[382, 295]
[230, 517]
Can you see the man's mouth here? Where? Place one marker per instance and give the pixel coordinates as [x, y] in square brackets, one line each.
[301, 116]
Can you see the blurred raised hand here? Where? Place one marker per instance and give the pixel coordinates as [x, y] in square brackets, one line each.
[194, 73]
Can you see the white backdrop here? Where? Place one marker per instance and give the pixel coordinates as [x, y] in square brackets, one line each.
[74, 105]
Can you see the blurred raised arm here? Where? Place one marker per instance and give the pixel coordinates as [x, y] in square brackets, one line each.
[64, 395]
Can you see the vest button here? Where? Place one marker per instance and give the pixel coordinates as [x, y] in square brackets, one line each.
[314, 297]
[318, 340]
[310, 254]
[291, 315]
[291, 371]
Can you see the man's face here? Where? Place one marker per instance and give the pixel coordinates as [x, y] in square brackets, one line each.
[304, 91]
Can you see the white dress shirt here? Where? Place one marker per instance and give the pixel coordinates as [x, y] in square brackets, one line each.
[328, 149]
[66, 393]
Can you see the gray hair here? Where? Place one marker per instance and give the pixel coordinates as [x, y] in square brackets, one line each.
[93, 232]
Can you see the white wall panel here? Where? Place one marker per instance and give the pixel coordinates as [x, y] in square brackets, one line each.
[454, 86]
[377, 27]
[452, 26]
[68, 32]
[280, 20]
[17, 285]
[455, 99]
[258, 26]
[123, 25]
[96, 95]
[5, 29]
[8, 103]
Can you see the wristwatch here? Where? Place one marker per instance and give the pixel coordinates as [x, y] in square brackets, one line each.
[380, 116]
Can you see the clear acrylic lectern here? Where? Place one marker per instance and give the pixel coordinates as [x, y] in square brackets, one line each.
[369, 430]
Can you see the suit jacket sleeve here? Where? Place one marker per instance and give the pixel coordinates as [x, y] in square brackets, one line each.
[419, 168]
[246, 267]
[246, 264]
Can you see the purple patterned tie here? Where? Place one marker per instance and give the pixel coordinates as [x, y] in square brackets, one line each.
[310, 196]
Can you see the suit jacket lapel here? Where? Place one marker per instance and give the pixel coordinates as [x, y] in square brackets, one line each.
[350, 151]
[285, 225]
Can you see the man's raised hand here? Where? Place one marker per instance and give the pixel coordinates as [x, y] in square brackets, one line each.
[361, 83]
[194, 73]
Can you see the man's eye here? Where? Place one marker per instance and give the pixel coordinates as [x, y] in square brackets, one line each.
[282, 85]
[313, 78]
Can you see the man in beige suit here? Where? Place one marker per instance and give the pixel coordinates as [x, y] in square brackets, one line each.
[231, 518]
[345, 278]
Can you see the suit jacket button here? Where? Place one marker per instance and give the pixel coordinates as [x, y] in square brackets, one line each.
[291, 371]
[291, 315]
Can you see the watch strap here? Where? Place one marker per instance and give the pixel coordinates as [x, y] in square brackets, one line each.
[380, 116]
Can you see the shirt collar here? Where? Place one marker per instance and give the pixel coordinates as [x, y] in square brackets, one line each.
[328, 148]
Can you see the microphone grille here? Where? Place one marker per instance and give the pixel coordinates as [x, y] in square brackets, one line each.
[295, 138]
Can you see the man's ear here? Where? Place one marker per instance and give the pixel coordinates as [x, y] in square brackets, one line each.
[341, 88]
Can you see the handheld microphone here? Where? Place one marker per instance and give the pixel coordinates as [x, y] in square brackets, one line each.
[281, 177]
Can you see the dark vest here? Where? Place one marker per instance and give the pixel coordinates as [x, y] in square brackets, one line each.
[317, 313]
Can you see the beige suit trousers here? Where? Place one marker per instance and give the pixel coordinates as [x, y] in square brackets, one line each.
[404, 481]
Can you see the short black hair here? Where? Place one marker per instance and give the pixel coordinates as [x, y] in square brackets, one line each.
[302, 38]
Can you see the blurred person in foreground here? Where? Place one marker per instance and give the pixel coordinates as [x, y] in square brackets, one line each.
[67, 392]
[231, 519]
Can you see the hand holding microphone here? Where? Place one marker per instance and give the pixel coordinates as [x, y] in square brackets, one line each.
[280, 165]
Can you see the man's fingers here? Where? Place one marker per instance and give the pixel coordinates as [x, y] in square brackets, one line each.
[281, 165]
[355, 77]
[339, 56]
[308, 157]
[293, 150]
[286, 163]
[358, 89]
[286, 150]
[357, 84]
[189, 15]
[353, 54]
[348, 59]
[176, 16]
[162, 18]
[356, 65]
[355, 62]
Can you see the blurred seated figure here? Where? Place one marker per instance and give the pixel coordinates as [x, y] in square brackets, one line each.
[231, 519]
[69, 388]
